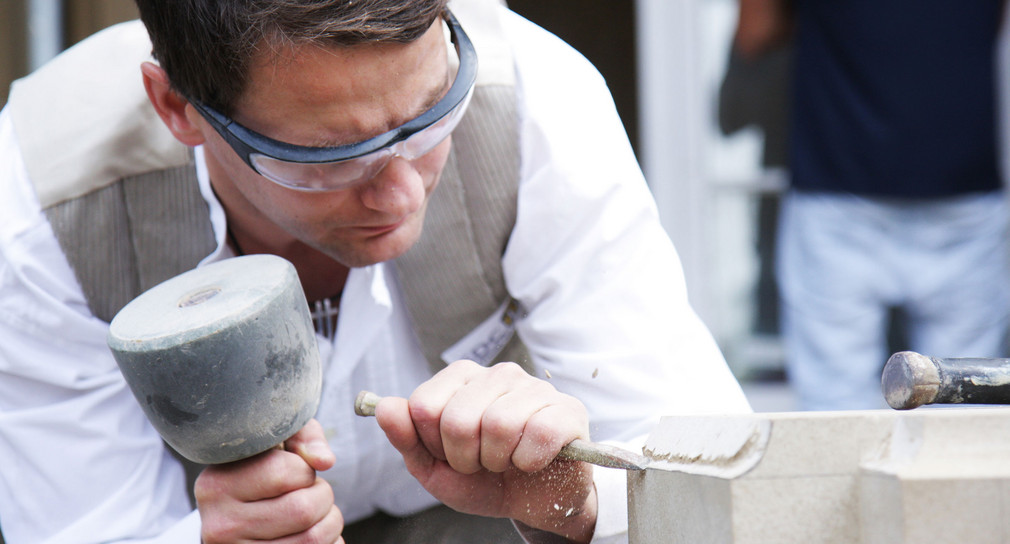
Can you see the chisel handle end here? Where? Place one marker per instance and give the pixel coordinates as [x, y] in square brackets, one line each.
[364, 404]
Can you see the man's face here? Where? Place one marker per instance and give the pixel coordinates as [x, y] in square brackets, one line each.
[312, 96]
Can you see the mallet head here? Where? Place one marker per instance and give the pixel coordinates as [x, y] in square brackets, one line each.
[223, 358]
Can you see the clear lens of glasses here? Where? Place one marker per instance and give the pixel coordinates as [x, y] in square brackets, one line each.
[330, 176]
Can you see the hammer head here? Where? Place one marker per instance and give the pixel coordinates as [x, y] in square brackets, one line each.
[223, 358]
[909, 380]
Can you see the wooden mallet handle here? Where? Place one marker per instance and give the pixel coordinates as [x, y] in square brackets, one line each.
[911, 380]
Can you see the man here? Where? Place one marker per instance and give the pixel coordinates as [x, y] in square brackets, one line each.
[297, 113]
[897, 199]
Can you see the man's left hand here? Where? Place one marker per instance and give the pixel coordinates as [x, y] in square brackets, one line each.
[484, 441]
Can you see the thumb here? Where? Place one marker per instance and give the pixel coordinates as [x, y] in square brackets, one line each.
[311, 445]
[393, 416]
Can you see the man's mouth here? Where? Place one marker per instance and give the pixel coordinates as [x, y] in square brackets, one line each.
[376, 230]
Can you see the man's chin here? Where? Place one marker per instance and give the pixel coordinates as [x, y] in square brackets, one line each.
[374, 251]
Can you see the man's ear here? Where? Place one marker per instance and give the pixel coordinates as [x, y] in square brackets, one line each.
[171, 107]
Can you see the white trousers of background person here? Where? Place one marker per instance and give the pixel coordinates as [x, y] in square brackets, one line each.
[844, 260]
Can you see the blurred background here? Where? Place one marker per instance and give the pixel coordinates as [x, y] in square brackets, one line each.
[35, 30]
[716, 169]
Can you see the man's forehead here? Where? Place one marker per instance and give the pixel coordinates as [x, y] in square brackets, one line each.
[346, 92]
[273, 55]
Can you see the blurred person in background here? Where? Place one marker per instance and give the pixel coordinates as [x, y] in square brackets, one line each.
[896, 199]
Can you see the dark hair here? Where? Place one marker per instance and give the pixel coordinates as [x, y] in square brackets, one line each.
[206, 46]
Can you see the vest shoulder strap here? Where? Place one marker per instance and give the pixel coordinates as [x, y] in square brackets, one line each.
[132, 235]
[83, 120]
[452, 278]
[118, 189]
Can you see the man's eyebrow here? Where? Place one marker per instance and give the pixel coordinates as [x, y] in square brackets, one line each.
[438, 93]
[433, 98]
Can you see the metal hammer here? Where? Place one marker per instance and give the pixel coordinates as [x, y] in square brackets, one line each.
[911, 380]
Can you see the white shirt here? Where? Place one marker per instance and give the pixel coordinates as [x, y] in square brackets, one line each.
[608, 318]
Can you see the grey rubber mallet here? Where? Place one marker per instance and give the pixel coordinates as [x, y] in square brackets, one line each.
[223, 358]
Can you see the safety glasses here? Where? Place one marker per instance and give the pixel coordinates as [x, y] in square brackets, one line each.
[331, 168]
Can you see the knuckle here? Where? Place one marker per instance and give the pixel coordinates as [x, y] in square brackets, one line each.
[421, 411]
[457, 425]
[500, 424]
[538, 431]
[217, 529]
[319, 535]
[463, 366]
[304, 508]
[509, 370]
[274, 476]
[209, 486]
[325, 498]
[301, 513]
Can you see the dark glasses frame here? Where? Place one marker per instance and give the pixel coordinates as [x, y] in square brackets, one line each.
[246, 142]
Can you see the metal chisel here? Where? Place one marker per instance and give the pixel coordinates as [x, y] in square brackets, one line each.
[577, 450]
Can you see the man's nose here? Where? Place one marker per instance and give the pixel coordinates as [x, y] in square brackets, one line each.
[397, 190]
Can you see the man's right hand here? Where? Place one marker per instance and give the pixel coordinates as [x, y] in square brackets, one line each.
[275, 495]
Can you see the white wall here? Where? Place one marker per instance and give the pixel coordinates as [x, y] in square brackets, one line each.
[704, 183]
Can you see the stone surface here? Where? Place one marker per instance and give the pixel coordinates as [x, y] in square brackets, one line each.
[932, 475]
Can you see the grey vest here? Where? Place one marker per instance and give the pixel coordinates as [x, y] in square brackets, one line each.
[122, 197]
